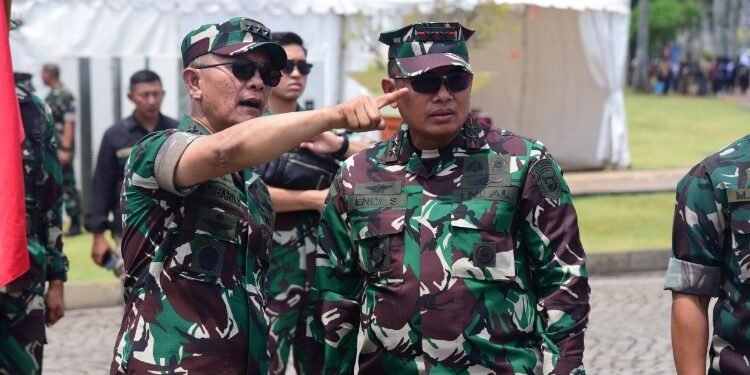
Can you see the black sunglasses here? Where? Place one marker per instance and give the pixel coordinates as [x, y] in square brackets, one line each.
[245, 69]
[430, 83]
[302, 66]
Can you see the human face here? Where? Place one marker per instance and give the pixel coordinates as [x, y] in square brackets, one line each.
[293, 84]
[46, 77]
[226, 100]
[147, 97]
[434, 119]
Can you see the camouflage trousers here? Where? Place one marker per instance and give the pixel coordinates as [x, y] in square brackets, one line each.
[22, 323]
[289, 279]
[70, 192]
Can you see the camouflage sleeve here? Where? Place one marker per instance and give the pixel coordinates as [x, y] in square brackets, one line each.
[69, 107]
[697, 236]
[336, 290]
[142, 183]
[557, 264]
[51, 236]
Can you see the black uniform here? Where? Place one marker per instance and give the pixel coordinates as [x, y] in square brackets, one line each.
[110, 171]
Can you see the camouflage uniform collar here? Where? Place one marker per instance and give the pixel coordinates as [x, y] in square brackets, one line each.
[190, 125]
[474, 137]
[395, 148]
[471, 138]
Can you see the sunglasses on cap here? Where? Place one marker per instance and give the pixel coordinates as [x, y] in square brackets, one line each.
[430, 83]
[302, 66]
[245, 69]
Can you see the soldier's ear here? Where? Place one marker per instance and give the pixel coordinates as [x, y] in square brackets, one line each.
[389, 86]
[192, 79]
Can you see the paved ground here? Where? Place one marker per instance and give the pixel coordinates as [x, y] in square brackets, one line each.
[628, 333]
[82, 342]
[624, 182]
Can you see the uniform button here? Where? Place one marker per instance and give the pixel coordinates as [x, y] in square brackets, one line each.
[485, 255]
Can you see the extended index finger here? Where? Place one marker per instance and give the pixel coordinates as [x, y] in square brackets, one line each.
[385, 99]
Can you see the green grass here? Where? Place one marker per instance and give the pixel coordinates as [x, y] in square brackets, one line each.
[675, 131]
[82, 267]
[625, 222]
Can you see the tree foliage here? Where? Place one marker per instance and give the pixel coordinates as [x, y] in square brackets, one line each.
[667, 19]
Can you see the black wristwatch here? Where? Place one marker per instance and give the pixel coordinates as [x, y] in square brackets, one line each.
[341, 153]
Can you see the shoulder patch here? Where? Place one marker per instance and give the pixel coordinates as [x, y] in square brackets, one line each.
[547, 179]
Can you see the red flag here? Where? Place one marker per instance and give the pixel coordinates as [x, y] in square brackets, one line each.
[14, 255]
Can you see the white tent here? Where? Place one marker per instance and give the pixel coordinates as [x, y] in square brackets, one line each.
[100, 43]
[558, 65]
[559, 70]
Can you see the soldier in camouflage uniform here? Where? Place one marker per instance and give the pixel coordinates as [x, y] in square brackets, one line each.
[197, 220]
[453, 247]
[297, 213]
[24, 306]
[62, 104]
[711, 258]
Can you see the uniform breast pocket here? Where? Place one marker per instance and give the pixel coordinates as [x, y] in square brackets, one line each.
[739, 215]
[378, 239]
[481, 243]
[210, 250]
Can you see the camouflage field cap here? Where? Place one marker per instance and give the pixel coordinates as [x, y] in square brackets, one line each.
[234, 37]
[420, 47]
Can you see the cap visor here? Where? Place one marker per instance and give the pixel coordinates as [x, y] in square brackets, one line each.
[275, 52]
[416, 65]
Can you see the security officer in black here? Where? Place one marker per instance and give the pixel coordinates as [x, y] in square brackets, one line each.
[146, 93]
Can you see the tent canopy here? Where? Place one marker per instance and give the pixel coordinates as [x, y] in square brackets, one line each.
[338, 7]
[558, 65]
[559, 77]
